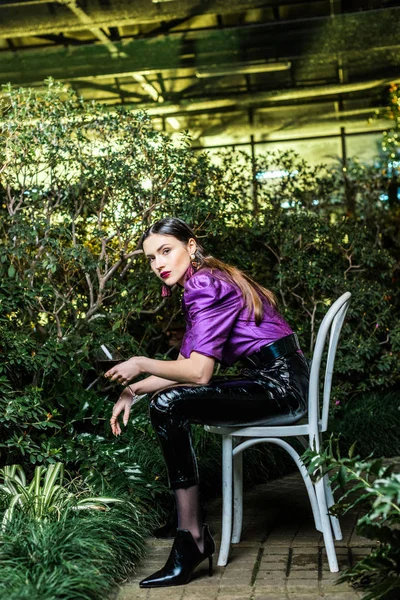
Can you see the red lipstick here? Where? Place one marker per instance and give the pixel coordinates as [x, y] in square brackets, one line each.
[165, 274]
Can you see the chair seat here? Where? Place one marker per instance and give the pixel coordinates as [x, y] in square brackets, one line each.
[302, 428]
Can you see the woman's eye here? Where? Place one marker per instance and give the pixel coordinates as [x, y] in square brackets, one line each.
[166, 251]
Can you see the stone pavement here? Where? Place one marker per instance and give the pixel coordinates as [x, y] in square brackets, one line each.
[281, 555]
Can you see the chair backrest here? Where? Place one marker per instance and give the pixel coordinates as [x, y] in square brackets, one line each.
[329, 329]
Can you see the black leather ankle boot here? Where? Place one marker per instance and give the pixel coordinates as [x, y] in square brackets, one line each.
[184, 557]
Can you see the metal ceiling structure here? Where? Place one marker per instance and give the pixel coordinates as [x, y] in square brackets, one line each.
[226, 70]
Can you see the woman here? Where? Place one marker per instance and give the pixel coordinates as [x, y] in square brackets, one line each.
[229, 317]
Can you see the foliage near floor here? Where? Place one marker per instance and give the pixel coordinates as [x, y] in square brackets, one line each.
[81, 556]
[374, 488]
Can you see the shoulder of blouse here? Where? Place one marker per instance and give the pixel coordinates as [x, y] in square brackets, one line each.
[206, 287]
[207, 278]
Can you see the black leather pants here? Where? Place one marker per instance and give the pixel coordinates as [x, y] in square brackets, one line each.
[271, 394]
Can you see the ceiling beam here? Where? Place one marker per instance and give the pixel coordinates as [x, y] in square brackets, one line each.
[263, 99]
[60, 39]
[315, 41]
[90, 24]
[114, 49]
[15, 17]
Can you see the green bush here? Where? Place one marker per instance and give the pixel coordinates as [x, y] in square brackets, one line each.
[373, 420]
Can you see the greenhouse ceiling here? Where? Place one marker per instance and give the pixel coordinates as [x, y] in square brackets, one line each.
[224, 70]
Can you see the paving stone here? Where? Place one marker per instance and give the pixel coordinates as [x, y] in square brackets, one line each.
[295, 575]
[334, 587]
[264, 576]
[199, 594]
[311, 595]
[358, 540]
[301, 585]
[245, 550]
[232, 590]
[235, 596]
[175, 593]
[239, 585]
[273, 550]
[239, 572]
[237, 578]
[266, 596]
[267, 587]
[242, 562]
[360, 552]
[132, 592]
[245, 544]
[341, 596]
[330, 577]
[273, 566]
[303, 541]
[205, 581]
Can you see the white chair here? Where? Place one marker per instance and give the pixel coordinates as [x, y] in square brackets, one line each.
[237, 439]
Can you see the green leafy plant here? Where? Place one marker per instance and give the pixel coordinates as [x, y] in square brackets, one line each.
[46, 496]
[374, 488]
[371, 418]
[82, 555]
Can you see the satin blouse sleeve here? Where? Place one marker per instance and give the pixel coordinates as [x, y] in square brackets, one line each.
[211, 307]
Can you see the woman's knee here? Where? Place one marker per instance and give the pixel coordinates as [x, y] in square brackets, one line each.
[161, 402]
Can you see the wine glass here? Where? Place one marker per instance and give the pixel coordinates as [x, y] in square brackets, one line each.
[107, 357]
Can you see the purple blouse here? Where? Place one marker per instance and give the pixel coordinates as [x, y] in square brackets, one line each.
[218, 323]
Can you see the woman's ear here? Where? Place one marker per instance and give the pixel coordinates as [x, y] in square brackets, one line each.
[192, 246]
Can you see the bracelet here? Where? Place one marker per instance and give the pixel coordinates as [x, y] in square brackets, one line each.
[135, 397]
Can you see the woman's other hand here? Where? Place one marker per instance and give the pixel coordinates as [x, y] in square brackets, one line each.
[124, 372]
[123, 404]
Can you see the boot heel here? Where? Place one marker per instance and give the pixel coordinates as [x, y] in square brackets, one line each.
[210, 566]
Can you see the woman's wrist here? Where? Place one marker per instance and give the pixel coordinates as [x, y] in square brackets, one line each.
[138, 362]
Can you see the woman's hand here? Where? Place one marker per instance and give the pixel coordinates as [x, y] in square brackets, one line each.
[123, 404]
[124, 372]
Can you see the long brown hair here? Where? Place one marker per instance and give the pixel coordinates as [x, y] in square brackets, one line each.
[251, 291]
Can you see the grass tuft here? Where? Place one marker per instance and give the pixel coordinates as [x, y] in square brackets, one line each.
[79, 557]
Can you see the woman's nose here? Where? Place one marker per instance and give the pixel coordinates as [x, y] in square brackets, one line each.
[159, 262]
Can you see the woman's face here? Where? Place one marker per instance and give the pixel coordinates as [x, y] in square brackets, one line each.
[169, 258]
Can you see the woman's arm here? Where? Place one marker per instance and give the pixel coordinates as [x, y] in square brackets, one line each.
[152, 383]
[199, 364]
[196, 369]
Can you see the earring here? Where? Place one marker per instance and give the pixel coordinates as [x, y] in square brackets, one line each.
[192, 268]
[165, 291]
[194, 261]
[190, 271]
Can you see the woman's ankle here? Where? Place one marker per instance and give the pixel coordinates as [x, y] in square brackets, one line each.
[198, 537]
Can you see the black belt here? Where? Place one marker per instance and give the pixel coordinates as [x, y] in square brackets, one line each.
[282, 347]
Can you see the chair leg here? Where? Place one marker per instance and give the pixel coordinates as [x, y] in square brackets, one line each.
[330, 501]
[310, 491]
[326, 527]
[237, 498]
[226, 500]
[305, 475]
